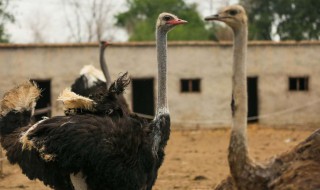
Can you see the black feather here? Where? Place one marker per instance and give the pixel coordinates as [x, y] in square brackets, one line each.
[30, 161]
[108, 101]
[120, 84]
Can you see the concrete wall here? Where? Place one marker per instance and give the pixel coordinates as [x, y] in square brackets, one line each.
[274, 65]
[271, 62]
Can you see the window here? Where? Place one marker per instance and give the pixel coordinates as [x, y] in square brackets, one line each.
[190, 85]
[298, 83]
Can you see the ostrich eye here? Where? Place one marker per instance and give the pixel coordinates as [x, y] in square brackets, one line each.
[233, 12]
[167, 18]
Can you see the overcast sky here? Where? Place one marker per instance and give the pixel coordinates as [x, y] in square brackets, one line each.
[48, 16]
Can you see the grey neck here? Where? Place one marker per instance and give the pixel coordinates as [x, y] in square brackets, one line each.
[162, 104]
[238, 152]
[104, 66]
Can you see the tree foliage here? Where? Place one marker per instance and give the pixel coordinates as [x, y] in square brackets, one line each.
[139, 20]
[4, 18]
[289, 19]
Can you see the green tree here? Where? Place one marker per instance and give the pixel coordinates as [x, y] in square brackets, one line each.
[139, 20]
[4, 18]
[291, 19]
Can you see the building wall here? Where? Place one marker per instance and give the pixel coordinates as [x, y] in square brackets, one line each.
[274, 65]
[271, 62]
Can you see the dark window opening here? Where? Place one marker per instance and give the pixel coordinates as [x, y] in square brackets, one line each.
[143, 96]
[43, 107]
[253, 99]
[190, 85]
[298, 83]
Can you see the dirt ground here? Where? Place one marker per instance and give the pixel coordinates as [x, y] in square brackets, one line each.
[195, 159]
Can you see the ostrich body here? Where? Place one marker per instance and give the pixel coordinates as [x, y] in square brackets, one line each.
[295, 169]
[92, 78]
[95, 152]
[17, 107]
[89, 80]
[94, 84]
[100, 101]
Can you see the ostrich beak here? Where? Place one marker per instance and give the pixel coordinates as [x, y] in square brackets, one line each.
[177, 22]
[213, 17]
[105, 43]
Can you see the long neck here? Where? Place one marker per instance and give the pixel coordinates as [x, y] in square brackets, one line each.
[161, 122]
[238, 152]
[162, 104]
[104, 67]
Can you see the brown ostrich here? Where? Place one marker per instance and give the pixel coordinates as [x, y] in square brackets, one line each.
[298, 168]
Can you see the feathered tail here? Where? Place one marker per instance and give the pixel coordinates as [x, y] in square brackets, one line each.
[17, 107]
[118, 86]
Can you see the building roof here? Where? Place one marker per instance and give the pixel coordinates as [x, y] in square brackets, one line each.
[152, 43]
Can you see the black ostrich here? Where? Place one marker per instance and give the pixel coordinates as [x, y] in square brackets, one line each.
[95, 152]
[101, 101]
[94, 84]
[92, 78]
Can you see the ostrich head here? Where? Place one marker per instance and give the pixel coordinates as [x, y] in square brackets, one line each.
[167, 21]
[104, 44]
[234, 16]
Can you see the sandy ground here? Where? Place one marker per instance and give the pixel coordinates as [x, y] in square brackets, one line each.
[195, 159]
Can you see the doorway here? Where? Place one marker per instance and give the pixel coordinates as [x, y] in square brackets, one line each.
[43, 107]
[253, 106]
[143, 96]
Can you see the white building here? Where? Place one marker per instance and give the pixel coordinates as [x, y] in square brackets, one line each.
[283, 78]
